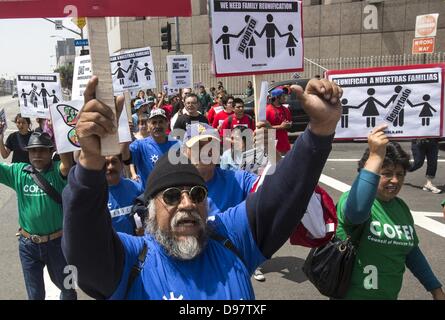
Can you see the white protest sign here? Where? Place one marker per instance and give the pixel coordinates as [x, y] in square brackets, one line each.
[37, 92]
[254, 37]
[169, 90]
[3, 120]
[407, 98]
[64, 119]
[132, 69]
[180, 71]
[263, 101]
[81, 76]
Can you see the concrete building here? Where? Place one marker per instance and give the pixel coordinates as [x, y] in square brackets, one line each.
[65, 52]
[332, 29]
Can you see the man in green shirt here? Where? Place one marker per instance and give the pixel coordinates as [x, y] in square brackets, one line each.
[205, 100]
[40, 217]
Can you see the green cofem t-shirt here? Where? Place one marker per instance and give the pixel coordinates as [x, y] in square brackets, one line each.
[386, 240]
[38, 213]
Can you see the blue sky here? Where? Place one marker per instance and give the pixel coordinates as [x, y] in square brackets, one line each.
[26, 45]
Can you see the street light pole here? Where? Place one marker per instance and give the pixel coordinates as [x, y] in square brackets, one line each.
[178, 46]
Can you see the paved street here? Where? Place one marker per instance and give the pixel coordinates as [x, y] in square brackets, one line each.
[284, 278]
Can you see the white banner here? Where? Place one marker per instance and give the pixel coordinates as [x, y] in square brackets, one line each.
[37, 92]
[81, 76]
[407, 98]
[256, 36]
[180, 71]
[132, 70]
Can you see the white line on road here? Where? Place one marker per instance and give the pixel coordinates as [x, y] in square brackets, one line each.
[51, 290]
[421, 218]
[356, 160]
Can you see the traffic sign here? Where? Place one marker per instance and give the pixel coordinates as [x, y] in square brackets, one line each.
[426, 25]
[81, 42]
[59, 25]
[423, 45]
[79, 22]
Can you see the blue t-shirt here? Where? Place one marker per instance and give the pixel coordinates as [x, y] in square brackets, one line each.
[146, 152]
[228, 188]
[217, 273]
[120, 201]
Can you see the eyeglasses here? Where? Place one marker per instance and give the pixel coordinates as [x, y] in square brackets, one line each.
[390, 175]
[172, 196]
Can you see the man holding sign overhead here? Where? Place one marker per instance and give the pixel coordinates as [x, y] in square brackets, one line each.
[177, 258]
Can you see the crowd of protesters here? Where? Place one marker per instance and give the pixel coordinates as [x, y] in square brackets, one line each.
[199, 227]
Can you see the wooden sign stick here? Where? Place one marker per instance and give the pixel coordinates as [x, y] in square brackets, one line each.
[257, 79]
[127, 97]
[100, 64]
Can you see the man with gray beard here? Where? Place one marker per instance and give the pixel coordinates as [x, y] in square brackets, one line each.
[184, 255]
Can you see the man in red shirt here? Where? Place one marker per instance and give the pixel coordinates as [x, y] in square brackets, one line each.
[239, 118]
[280, 118]
[216, 108]
[223, 115]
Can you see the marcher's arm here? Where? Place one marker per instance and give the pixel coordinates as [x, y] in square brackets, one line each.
[89, 241]
[66, 162]
[357, 208]
[4, 150]
[125, 151]
[420, 268]
[363, 192]
[280, 203]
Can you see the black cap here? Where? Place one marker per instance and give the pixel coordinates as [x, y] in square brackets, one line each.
[166, 174]
[39, 140]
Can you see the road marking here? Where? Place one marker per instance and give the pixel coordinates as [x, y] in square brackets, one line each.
[334, 183]
[356, 160]
[51, 290]
[421, 218]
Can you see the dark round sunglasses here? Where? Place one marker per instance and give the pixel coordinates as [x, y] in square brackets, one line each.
[172, 196]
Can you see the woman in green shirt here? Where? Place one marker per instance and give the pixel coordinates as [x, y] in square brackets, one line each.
[388, 240]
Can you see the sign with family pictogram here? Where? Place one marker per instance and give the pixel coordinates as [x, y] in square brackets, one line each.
[407, 98]
[132, 69]
[37, 92]
[255, 37]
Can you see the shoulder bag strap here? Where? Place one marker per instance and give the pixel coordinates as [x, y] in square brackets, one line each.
[136, 269]
[228, 244]
[43, 184]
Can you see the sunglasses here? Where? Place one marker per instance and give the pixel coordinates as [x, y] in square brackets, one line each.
[172, 196]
